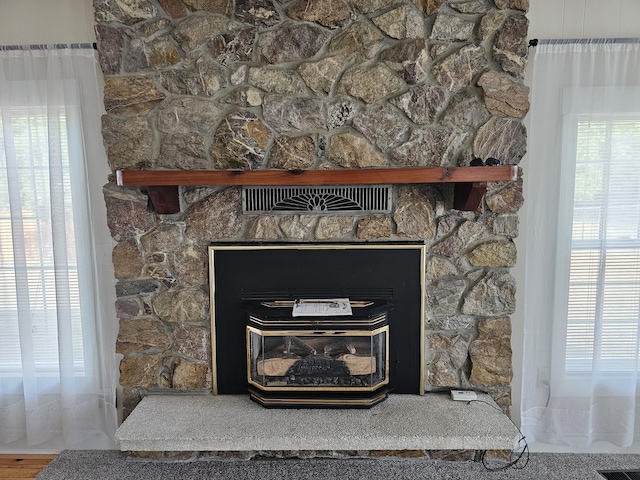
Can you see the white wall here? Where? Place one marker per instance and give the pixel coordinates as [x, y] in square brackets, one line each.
[27, 22]
[554, 19]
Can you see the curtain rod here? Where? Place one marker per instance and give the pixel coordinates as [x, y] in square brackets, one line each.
[51, 46]
[534, 42]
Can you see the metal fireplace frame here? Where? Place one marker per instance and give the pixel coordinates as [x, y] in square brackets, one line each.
[419, 249]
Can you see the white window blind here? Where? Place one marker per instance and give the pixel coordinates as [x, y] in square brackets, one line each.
[603, 304]
[28, 274]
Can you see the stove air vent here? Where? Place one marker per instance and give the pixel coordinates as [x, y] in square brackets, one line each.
[316, 199]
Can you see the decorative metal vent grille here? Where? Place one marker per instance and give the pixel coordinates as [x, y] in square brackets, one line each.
[345, 199]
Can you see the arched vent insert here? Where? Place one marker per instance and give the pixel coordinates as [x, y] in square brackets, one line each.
[317, 199]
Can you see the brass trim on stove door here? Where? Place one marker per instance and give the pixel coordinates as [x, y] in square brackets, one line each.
[309, 333]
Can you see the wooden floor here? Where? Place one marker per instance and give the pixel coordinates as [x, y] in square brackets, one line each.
[14, 467]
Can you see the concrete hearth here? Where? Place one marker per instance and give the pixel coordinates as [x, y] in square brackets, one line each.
[179, 423]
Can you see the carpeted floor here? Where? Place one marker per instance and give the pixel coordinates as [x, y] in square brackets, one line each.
[109, 465]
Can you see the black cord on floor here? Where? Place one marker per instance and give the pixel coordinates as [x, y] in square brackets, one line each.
[514, 463]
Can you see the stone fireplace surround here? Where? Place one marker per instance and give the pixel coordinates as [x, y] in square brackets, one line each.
[253, 84]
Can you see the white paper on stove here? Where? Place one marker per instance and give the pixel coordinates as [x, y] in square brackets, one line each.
[325, 307]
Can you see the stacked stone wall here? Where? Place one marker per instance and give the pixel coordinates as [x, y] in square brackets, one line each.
[326, 84]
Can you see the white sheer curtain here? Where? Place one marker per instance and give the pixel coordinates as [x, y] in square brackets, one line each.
[582, 293]
[57, 360]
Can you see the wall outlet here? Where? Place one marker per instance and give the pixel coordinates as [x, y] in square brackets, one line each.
[463, 395]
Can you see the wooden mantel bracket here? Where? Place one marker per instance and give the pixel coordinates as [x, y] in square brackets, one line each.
[470, 182]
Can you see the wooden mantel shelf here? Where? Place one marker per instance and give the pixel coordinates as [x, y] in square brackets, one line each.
[470, 181]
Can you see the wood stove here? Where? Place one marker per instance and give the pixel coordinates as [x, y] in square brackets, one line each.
[260, 347]
[325, 360]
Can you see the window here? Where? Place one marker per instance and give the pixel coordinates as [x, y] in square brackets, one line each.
[57, 334]
[27, 266]
[603, 301]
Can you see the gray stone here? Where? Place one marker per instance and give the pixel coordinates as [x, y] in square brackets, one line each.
[491, 353]
[257, 12]
[174, 8]
[507, 224]
[452, 28]
[128, 213]
[130, 95]
[429, 6]
[333, 227]
[370, 84]
[190, 376]
[127, 260]
[428, 147]
[503, 96]
[293, 153]
[123, 11]
[232, 47]
[292, 42]
[444, 295]
[472, 6]
[200, 77]
[459, 69]
[244, 97]
[216, 217]
[240, 141]
[162, 238]
[188, 115]
[195, 30]
[340, 112]
[223, 7]
[298, 227]
[515, 4]
[501, 138]
[140, 371]
[110, 44]
[287, 114]
[506, 198]
[190, 263]
[125, 288]
[320, 76]
[351, 151]
[370, 6]
[510, 48]
[193, 342]
[128, 307]
[263, 228]
[277, 81]
[157, 53]
[466, 234]
[371, 228]
[422, 103]
[383, 125]
[493, 295]
[453, 322]
[490, 24]
[358, 38]
[402, 22]
[438, 268]
[440, 371]
[414, 214]
[494, 254]
[329, 14]
[153, 27]
[465, 111]
[137, 335]
[188, 305]
[410, 58]
[128, 141]
[183, 152]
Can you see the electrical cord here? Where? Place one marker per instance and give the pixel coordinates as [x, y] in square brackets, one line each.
[514, 463]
